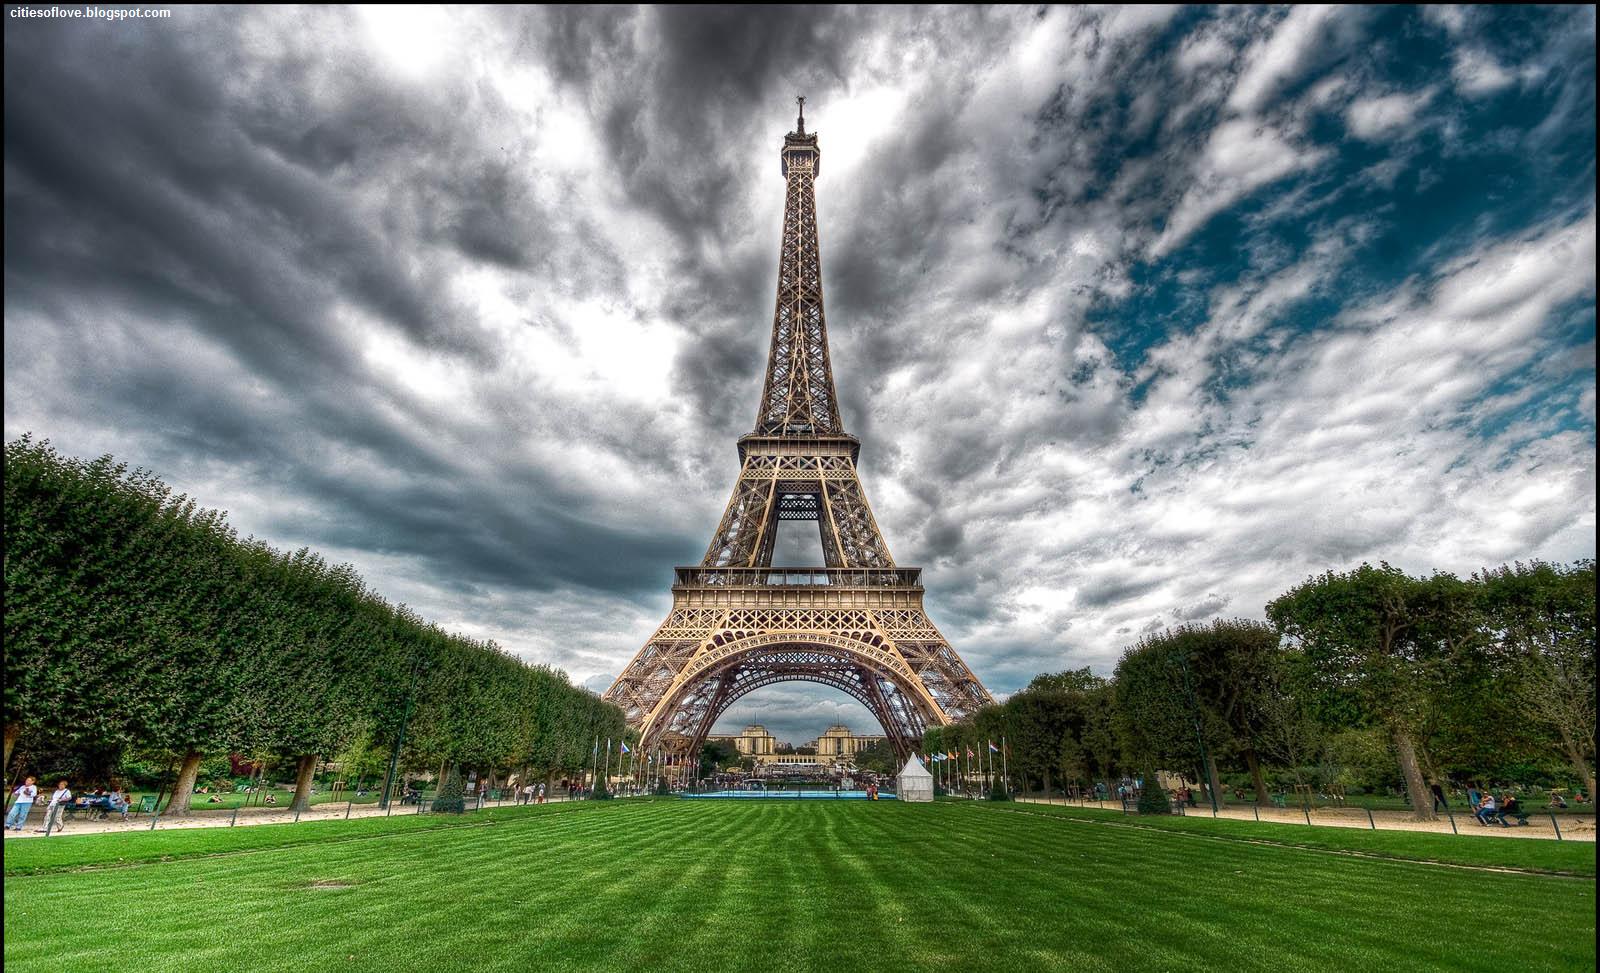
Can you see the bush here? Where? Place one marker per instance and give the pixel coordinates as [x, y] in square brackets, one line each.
[452, 796]
[1153, 799]
[662, 790]
[600, 793]
[997, 791]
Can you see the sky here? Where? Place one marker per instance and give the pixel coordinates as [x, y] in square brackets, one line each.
[1142, 315]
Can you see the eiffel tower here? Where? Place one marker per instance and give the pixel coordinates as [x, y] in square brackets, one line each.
[739, 623]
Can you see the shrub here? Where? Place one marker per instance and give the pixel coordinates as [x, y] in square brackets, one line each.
[452, 796]
[1153, 798]
[600, 793]
[997, 791]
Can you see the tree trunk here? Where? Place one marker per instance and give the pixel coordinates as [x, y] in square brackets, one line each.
[1580, 763]
[1416, 788]
[183, 790]
[303, 774]
[13, 732]
[1250, 758]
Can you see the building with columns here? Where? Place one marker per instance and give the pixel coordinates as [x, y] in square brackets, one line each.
[753, 741]
[836, 745]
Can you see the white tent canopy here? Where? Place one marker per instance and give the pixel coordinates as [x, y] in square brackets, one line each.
[915, 783]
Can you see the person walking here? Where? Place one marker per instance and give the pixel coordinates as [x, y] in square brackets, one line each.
[540, 799]
[57, 807]
[25, 794]
[1438, 796]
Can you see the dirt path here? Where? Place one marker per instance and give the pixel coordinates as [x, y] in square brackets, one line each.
[244, 817]
[1574, 827]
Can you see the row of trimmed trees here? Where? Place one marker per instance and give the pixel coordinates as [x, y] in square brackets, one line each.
[136, 621]
[1439, 678]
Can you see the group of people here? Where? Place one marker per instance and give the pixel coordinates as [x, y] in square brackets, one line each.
[1490, 810]
[529, 794]
[26, 794]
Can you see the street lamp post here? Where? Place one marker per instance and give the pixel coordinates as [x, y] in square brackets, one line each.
[417, 666]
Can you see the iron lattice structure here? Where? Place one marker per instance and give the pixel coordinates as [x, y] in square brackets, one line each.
[738, 623]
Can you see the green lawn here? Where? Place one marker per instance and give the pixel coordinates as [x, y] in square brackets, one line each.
[645, 885]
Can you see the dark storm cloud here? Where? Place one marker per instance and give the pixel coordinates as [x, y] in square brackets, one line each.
[479, 299]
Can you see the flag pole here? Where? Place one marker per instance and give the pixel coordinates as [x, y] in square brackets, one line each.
[1005, 764]
[594, 764]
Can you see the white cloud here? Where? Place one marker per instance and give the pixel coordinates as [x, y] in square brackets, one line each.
[1380, 116]
[1298, 43]
[1241, 156]
[1477, 73]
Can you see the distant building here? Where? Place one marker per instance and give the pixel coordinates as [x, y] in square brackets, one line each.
[754, 741]
[836, 745]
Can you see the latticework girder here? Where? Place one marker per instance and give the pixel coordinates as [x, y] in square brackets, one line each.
[737, 622]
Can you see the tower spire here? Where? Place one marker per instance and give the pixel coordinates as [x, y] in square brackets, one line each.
[799, 397]
[801, 124]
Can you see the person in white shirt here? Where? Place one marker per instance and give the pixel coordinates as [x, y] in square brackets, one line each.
[25, 793]
[58, 805]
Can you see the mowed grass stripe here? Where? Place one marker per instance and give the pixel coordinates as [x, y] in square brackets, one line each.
[768, 886]
[1334, 908]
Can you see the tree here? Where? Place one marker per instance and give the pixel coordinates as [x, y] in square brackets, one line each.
[135, 620]
[1545, 616]
[1152, 798]
[1218, 676]
[1386, 640]
[877, 757]
[717, 753]
[452, 797]
[1162, 722]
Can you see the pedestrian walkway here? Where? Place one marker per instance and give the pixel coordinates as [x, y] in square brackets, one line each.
[240, 817]
[1565, 827]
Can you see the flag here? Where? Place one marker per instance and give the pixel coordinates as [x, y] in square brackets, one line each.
[625, 747]
[950, 756]
[970, 754]
[993, 748]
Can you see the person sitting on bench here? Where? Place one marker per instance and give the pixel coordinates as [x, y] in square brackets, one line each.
[1510, 807]
[1487, 810]
[1556, 800]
